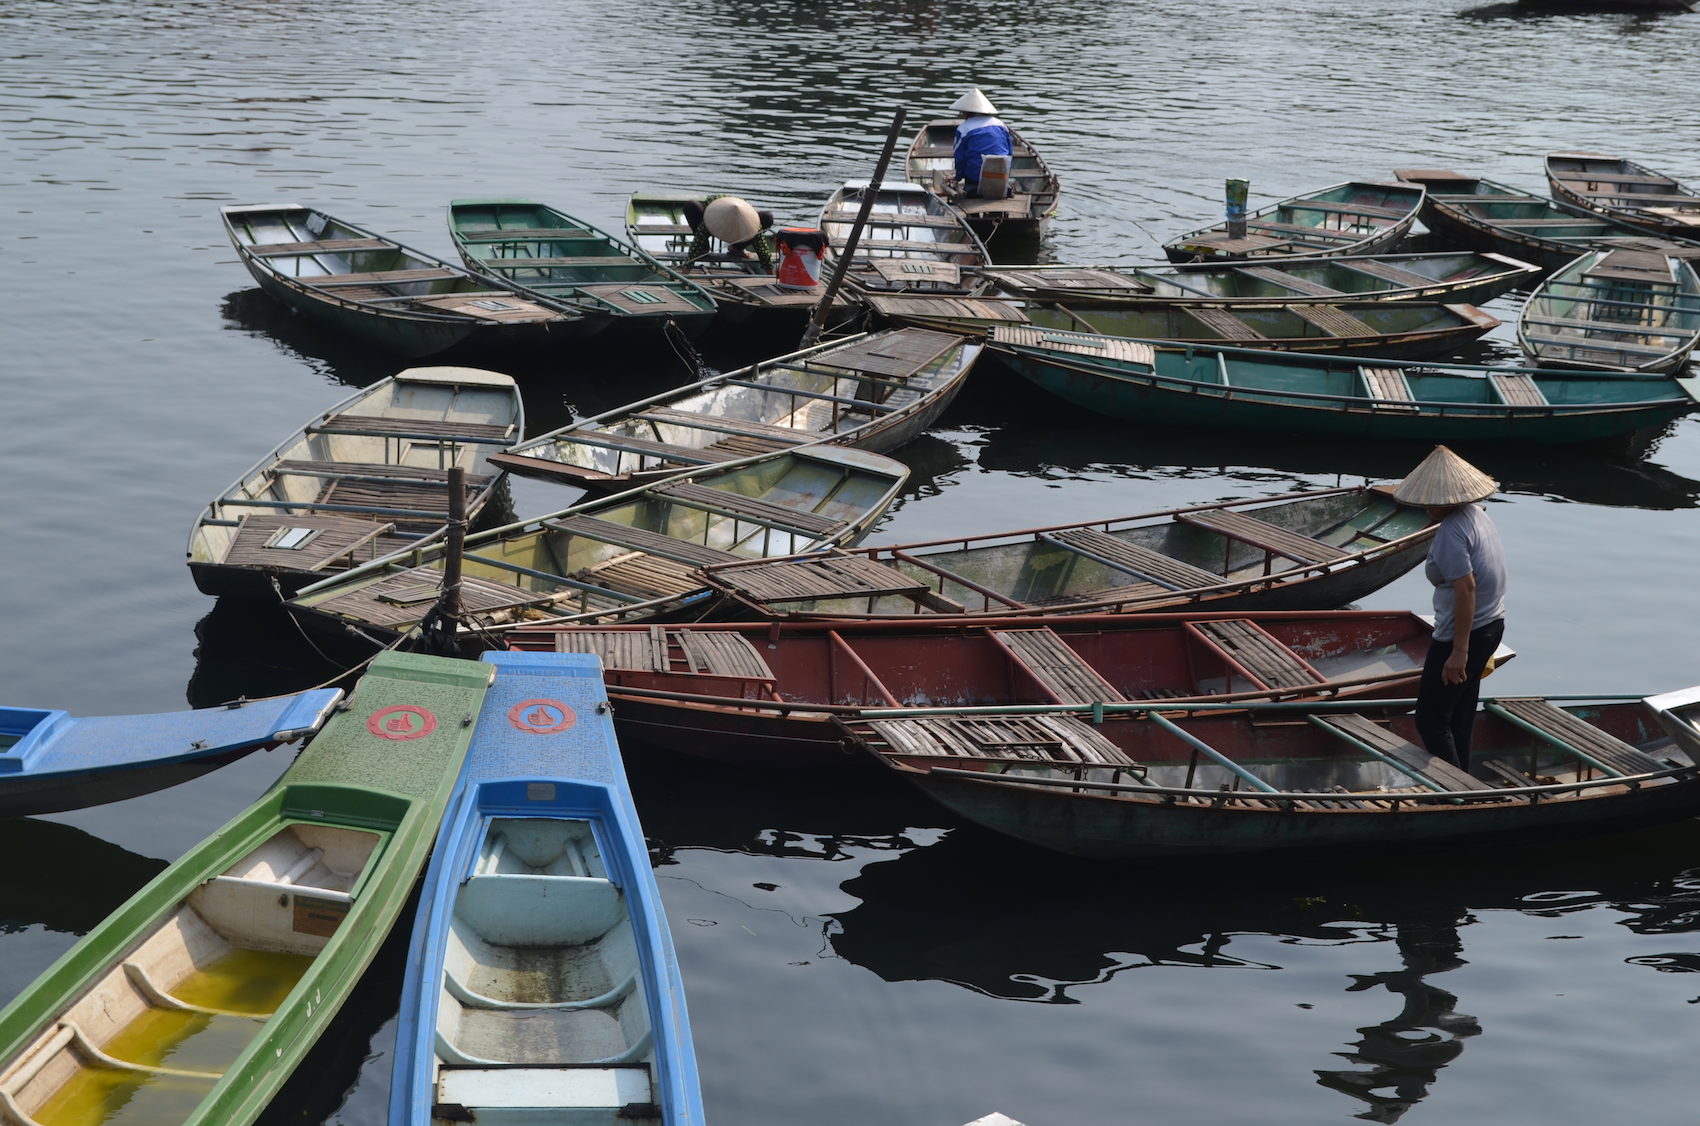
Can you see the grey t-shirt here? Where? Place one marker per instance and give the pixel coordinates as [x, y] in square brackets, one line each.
[1467, 543]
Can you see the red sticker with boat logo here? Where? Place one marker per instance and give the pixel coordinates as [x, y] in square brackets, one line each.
[401, 721]
[542, 717]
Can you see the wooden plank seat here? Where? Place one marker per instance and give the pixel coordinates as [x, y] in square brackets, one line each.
[1044, 739]
[1387, 384]
[1518, 390]
[829, 577]
[908, 270]
[954, 308]
[625, 650]
[1261, 534]
[740, 445]
[1058, 669]
[887, 219]
[1074, 343]
[1225, 324]
[1288, 281]
[1346, 208]
[1621, 328]
[654, 543]
[722, 653]
[641, 575]
[370, 471]
[380, 277]
[1321, 234]
[403, 598]
[1260, 653]
[1594, 350]
[1360, 729]
[726, 502]
[708, 653]
[1333, 320]
[587, 262]
[625, 443]
[1577, 179]
[897, 356]
[526, 234]
[748, 428]
[427, 429]
[912, 247]
[1631, 199]
[1570, 734]
[254, 544]
[1076, 278]
[1114, 552]
[1390, 273]
[324, 246]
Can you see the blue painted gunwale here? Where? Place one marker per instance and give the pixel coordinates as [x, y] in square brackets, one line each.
[55, 761]
[590, 784]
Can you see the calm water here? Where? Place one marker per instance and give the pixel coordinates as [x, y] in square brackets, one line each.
[853, 954]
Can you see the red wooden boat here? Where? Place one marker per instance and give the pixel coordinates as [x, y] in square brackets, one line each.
[767, 694]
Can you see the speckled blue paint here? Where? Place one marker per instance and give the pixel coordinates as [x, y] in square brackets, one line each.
[53, 742]
[587, 751]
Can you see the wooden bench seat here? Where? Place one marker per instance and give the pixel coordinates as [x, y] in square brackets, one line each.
[830, 577]
[1133, 559]
[1518, 391]
[712, 653]
[1259, 653]
[737, 504]
[324, 246]
[887, 219]
[1394, 274]
[1261, 534]
[897, 356]
[642, 576]
[654, 543]
[1622, 327]
[380, 277]
[1288, 281]
[1327, 234]
[1573, 179]
[1060, 671]
[1359, 729]
[1387, 384]
[1346, 208]
[1052, 738]
[526, 234]
[1225, 324]
[587, 262]
[420, 428]
[1332, 320]
[372, 471]
[1570, 734]
[910, 248]
[336, 536]
[664, 451]
[723, 425]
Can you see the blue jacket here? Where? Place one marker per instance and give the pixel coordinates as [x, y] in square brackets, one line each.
[976, 138]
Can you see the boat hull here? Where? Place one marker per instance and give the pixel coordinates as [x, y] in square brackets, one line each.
[31, 797]
[399, 333]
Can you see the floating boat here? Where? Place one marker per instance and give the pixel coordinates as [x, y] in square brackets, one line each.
[1157, 384]
[1614, 310]
[626, 556]
[749, 296]
[550, 253]
[363, 479]
[1021, 216]
[1491, 217]
[913, 242]
[1356, 217]
[1149, 781]
[761, 696]
[1395, 330]
[873, 392]
[541, 980]
[1302, 551]
[192, 1003]
[1591, 183]
[1460, 277]
[383, 293]
[51, 761]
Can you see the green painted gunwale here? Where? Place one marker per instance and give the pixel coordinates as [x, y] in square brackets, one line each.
[346, 777]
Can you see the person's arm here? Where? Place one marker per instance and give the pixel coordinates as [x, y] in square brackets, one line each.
[1463, 616]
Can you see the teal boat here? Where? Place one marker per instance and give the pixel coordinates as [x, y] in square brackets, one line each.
[1614, 310]
[194, 1001]
[1356, 217]
[1162, 384]
[548, 252]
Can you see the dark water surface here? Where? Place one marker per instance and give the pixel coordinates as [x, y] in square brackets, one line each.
[853, 954]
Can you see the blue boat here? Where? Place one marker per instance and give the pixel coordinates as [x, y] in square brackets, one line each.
[51, 761]
[541, 985]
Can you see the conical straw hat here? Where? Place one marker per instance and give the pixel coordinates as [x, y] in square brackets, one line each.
[973, 102]
[730, 219]
[1444, 479]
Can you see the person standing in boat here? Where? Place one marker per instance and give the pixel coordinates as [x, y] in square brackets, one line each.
[1466, 565]
[980, 135]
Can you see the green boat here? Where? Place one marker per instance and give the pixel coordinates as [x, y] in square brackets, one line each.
[620, 288]
[1487, 216]
[194, 1001]
[1163, 384]
[1614, 310]
[1357, 217]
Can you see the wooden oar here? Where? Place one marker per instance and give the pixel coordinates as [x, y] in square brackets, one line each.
[817, 320]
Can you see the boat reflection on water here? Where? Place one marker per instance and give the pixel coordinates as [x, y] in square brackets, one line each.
[1404, 1055]
[72, 879]
[1014, 923]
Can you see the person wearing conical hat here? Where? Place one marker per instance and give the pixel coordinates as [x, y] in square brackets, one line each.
[980, 135]
[1466, 565]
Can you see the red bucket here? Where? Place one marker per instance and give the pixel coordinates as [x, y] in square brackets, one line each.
[800, 252]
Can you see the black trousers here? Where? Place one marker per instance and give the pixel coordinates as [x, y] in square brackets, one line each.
[1446, 713]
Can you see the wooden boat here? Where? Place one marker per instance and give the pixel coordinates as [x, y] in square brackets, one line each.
[1150, 781]
[51, 761]
[541, 980]
[383, 293]
[755, 695]
[361, 480]
[1491, 217]
[1021, 216]
[913, 242]
[1395, 330]
[626, 556]
[1302, 551]
[748, 296]
[1614, 310]
[1156, 383]
[873, 392]
[1461, 277]
[192, 1003]
[1591, 183]
[547, 252]
[1356, 217]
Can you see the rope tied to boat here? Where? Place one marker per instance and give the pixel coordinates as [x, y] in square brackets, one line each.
[688, 355]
